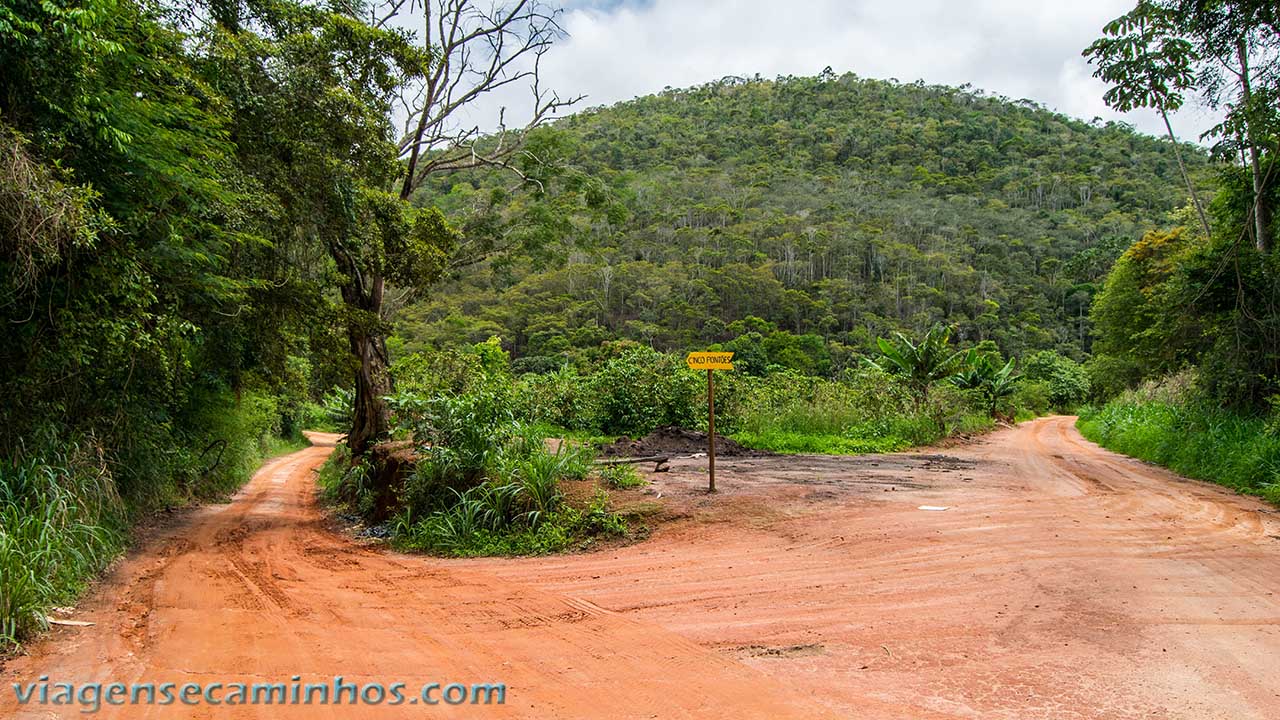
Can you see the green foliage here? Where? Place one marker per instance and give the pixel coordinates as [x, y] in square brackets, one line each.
[1110, 375]
[1170, 424]
[330, 474]
[920, 364]
[562, 399]
[1176, 299]
[516, 508]
[621, 477]
[61, 521]
[634, 391]
[1131, 314]
[1066, 380]
[1144, 60]
[1208, 298]
[233, 437]
[865, 410]
[150, 295]
[983, 373]
[464, 432]
[458, 533]
[1032, 397]
[485, 482]
[127, 222]
[1230, 294]
[643, 389]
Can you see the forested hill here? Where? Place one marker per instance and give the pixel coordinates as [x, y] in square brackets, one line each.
[818, 212]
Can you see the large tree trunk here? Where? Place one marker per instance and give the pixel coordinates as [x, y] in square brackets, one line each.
[1261, 208]
[370, 420]
[1182, 168]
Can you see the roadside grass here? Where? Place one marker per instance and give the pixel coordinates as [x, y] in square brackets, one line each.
[63, 520]
[867, 411]
[332, 473]
[581, 437]
[273, 446]
[1190, 438]
[799, 442]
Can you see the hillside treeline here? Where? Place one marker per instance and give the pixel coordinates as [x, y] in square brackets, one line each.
[803, 217]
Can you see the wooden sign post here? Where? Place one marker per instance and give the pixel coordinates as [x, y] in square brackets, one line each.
[710, 361]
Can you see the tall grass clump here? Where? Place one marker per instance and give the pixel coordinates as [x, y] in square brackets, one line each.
[1168, 422]
[482, 480]
[511, 504]
[61, 522]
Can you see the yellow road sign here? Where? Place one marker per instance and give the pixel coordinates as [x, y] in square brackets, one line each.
[710, 360]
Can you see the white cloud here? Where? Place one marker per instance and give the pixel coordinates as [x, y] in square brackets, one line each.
[1019, 48]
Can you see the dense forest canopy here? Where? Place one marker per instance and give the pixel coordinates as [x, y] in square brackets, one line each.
[829, 208]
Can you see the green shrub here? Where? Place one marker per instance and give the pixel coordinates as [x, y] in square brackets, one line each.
[621, 476]
[463, 434]
[643, 389]
[1032, 396]
[1110, 375]
[1067, 381]
[562, 398]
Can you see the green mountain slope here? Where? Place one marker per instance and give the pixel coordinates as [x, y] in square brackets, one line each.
[820, 213]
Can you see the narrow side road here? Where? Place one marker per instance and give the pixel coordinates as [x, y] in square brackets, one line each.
[261, 590]
[1063, 581]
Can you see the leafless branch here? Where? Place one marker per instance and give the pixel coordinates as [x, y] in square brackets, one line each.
[476, 51]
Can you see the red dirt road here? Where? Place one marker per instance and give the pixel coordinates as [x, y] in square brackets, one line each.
[1063, 582]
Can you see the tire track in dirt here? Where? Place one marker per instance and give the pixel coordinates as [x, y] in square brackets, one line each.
[260, 590]
[1064, 582]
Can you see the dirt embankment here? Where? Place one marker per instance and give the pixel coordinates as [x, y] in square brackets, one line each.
[1062, 581]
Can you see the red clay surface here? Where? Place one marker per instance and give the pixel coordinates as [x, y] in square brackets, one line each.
[1063, 582]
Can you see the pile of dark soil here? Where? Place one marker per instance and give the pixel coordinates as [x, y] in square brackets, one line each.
[676, 441]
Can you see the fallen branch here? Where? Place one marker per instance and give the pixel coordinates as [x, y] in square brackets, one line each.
[659, 461]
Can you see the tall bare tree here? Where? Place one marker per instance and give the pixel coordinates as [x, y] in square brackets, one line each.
[475, 48]
[478, 49]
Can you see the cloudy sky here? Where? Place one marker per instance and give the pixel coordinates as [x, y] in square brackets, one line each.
[619, 49]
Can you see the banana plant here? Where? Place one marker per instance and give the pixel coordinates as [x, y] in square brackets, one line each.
[982, 373]
[921, 364]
